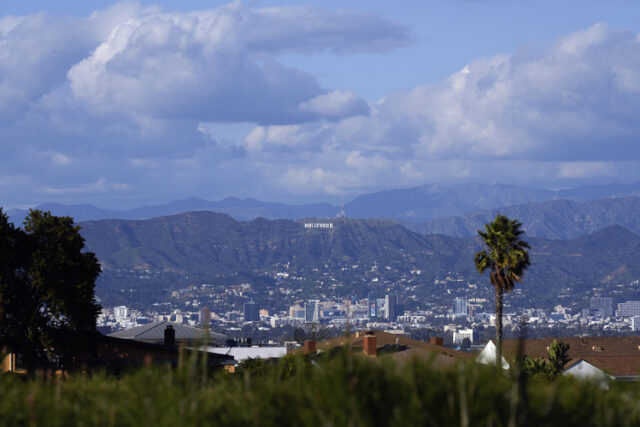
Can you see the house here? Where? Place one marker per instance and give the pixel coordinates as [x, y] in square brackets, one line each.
[394, 346]
[9, 363]
[595, 358]
[116, 355]
[184, 334]
[153, 344]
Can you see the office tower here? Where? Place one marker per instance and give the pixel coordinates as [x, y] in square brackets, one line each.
[391, 303]
[604, 306]
[628, 309]
[312, 311]
[460, 306]
[251, 312]
[204, 316]
[121, 312]
[372, 304]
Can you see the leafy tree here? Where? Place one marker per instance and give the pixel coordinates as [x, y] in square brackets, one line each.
[558, 359]
[17, 307]
[506, 257]
[47, 306]
[537, 366]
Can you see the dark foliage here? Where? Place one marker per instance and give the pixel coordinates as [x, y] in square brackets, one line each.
[341, 390]
[47, 306]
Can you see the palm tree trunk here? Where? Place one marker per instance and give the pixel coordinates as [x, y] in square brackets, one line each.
[499, 294]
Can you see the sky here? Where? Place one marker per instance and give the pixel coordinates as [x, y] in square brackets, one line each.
[122, 104]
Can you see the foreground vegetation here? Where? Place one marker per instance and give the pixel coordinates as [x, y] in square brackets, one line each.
[346, 390]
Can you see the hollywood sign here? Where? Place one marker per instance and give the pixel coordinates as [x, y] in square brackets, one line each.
[318, 225]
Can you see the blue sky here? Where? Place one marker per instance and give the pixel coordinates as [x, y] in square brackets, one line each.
[123, 104]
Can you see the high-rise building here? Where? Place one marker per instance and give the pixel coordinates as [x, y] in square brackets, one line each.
[312, 311]
[460, 306]
[121, 312]
[391, 304]
[380, 308]
[251, 312]
[604, 306]
[204, 316]
[628, 309]
[373, 305]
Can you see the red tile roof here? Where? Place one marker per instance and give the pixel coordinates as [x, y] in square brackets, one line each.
[618, 356]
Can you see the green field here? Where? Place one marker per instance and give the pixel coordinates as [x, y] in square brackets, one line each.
[346, 390]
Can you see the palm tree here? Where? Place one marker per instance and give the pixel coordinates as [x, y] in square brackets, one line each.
[506, 257]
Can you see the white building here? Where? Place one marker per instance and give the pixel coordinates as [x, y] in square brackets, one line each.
[460, 335]
[120, 313]
[628, 309]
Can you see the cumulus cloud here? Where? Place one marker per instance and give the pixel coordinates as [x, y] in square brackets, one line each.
[215, 65]
[219, 65]
[101, 185]
[128, 90]
[335, 104]
[562, 112]
[129, 104]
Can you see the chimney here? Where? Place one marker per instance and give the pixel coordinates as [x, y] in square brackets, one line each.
[309, 346]
[169, 336]
[370, 345]
[436, 341]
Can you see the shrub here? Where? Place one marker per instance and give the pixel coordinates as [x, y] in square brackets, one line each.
[342, 389]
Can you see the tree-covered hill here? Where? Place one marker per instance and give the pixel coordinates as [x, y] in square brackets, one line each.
[206, 243]
[216, 243]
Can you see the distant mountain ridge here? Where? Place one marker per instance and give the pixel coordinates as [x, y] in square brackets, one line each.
[413, 205]
[240, 209]
[555, 219]
[216, 244]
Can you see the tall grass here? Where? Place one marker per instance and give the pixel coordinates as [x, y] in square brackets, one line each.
[346, 390]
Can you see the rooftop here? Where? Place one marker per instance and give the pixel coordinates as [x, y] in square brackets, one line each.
[154, 332]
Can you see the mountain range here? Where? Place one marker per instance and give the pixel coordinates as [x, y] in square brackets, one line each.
[241, 209]
[216, 244]
[555, 219]
[210, 242]
[414, 205]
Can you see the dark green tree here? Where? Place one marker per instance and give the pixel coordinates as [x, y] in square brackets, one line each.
[558, 357]
[17, 305]
[506, 257]
[47, 306]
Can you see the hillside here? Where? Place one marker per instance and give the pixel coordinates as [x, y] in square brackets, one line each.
[240, 209]
[207, 244]
[216, 243]
[411, 205]
[555, 219]
[432, 201]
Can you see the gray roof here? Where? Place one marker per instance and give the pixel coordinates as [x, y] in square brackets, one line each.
[154, 332]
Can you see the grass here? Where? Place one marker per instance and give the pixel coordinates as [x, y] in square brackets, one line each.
[347, 390]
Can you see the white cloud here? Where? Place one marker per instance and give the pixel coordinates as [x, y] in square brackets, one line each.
[335, 104]
[568, 111]
[131, 94]
[219, 65]
[135, 101]
[100, 186]
[586, 169]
